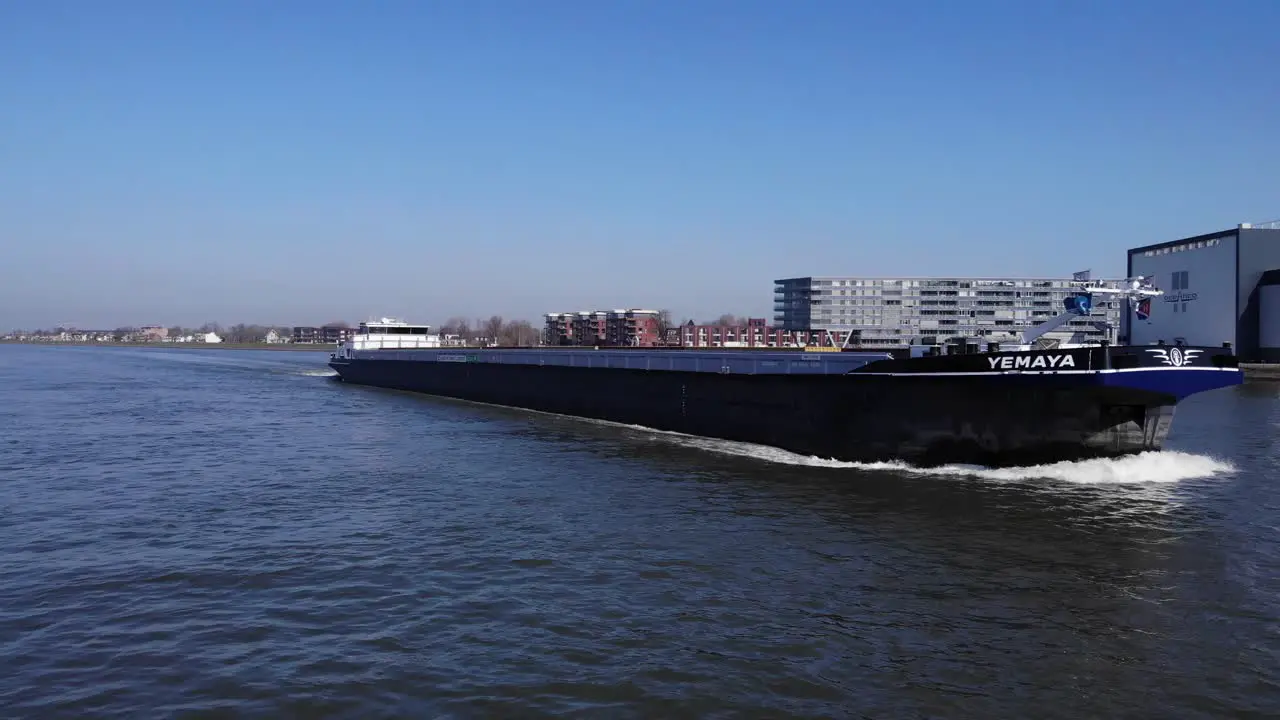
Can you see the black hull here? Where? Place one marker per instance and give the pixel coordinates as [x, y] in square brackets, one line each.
[926, 420]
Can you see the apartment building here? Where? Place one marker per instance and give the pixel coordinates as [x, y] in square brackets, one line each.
[887, 312]
[632, 328]
[588, 327]
[625, 327]
[755, 333]
[559, 329]
[327, 334]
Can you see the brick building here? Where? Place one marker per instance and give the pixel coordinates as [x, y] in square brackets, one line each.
[626, 327]
[756, 333]
[560, 329]
[632, 328]
[643, 328]
[590, 328]
[580, 328]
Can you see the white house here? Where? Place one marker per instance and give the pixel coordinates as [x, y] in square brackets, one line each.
[211, 338]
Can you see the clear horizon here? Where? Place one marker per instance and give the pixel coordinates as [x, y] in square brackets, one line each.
[297, 163]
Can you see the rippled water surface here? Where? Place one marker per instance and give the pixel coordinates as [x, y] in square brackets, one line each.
[219, 530]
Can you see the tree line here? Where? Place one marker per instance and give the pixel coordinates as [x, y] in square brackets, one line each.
[492, 330]
[238, 333]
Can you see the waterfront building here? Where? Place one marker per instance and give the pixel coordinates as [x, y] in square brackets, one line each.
[558, 329]
[587, 327]
[327, 334]
[624, 327]
[898, 311]
[632, 328]
[1221, 287]
[755, 333]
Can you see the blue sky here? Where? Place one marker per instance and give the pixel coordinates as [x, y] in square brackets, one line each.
[297, 162]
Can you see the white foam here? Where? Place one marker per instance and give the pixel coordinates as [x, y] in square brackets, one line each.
[319, 372]
[1166, 466]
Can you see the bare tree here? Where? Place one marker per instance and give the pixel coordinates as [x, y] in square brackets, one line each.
[492, 328]
[242, 333]
[664, 325]
[726, 319]
[520, 333]
[457, 326]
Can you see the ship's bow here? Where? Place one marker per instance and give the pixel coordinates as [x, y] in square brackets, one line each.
[1036, 407]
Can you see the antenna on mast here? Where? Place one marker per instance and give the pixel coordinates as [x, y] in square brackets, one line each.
[1137, 290]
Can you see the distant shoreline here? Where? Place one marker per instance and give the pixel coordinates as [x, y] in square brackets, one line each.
[301, 347]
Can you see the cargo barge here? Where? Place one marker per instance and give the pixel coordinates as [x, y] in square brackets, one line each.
[1024, 404]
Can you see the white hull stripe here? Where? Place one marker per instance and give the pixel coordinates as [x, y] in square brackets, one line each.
[1099, 371]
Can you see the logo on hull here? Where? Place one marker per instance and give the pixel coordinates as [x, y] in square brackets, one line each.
[1028, 362]
[1176, 357]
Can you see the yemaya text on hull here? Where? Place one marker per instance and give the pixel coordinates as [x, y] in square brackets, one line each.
[1023, 403]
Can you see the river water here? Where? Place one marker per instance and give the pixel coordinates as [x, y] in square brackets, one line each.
[232, 532]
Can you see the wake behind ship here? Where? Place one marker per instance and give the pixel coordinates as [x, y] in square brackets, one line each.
[1003, 407]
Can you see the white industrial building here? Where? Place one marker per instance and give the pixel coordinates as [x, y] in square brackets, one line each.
[1223, 287]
